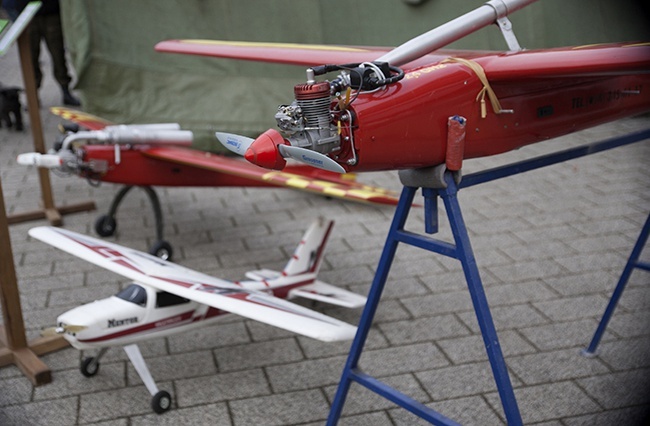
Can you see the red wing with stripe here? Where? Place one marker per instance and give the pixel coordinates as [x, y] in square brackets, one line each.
[331, 185]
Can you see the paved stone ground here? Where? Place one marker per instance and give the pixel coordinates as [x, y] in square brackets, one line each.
[550, 244]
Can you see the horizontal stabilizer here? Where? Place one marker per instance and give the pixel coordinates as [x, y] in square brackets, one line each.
[262, 275]
[328, 293]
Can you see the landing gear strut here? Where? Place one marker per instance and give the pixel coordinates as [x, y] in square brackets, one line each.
[161, 401]
[106, 225]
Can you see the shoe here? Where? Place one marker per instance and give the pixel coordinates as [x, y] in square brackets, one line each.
[69, 99]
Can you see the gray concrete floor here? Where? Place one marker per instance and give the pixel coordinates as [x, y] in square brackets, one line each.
[550, 245]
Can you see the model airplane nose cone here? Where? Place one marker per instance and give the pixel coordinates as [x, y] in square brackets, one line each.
[264, 150]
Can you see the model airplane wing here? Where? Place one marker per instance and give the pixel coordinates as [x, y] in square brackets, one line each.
[332, 187]
[89, 121]
[166, 276]
[577, 61]
[284, 53]
[580, 61]
[291, 53]
[328, 293]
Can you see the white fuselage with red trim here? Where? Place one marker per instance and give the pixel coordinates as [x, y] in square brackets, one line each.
[114, 321]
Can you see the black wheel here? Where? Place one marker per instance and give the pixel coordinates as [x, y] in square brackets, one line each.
[105, 226]
[88, 367]
[162, 249]
[161, 402]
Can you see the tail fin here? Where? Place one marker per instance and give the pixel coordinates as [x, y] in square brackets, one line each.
[309, 254]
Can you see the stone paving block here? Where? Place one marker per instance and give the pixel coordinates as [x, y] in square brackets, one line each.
[204, 415]
[371, 419]
[619, 390]
[62, 359]
[280, 409]
[626, 354]
[630, 325]
[10, 371]
[402, 359]
[361, 400]
[16, 390]
[459, 381]
[510, 294]
[555, 366]
[436, 304]
[391, 310]
[549, 402]
[306, 374]
[573, 308]
[527, 270]
[72, 382]
[462, 350]
[402, 287]
[590, 261]
[470, 411]
[560, 335]
[506, 317]
[445, 282]
[583, 283]
[171, 367]
[349, 276]
[636, 299]
[221, 387]
[257, 354]
[106, 405]
[63, 411]
[527, 252]
[423, 329]
[221, 334]
[624, 416]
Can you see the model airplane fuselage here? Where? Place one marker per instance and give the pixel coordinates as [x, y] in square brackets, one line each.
[418, 106]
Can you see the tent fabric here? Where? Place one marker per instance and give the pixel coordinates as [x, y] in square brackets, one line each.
[121, 78]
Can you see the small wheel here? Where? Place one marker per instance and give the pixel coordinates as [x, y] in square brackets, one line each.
[105, 225]
[162, 249]
[89, 367]
[161, 402]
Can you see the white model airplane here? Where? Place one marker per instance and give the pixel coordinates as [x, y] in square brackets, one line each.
[166, 298]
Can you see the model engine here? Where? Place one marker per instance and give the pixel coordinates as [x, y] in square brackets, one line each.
[308, 122]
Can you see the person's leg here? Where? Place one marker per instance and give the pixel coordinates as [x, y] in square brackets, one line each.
[55, 44]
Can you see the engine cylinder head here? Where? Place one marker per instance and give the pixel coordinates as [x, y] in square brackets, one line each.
[314, 100]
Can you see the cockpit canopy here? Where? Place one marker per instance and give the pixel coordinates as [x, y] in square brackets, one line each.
[137, 294]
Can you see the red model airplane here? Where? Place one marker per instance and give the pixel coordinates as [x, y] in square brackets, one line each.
[416, 106]
[161, 155]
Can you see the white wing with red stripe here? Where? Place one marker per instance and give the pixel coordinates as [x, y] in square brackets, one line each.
[221, 294]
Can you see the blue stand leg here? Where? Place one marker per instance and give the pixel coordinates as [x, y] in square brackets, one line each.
[632, 262]
[461, 251]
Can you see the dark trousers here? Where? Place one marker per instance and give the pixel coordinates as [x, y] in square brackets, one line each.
[48, 28]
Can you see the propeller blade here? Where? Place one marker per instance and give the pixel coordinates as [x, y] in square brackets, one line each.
[53, 331]
[311, 158]
[236, 143]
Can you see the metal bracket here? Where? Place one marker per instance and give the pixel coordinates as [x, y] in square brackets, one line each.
[506, 29]
[428, 177]
[504, 24]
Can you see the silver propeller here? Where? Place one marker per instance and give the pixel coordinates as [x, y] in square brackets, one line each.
[239, 144]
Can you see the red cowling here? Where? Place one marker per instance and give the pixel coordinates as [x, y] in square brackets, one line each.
[264, 150]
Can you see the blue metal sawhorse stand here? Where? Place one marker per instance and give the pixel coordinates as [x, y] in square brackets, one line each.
[438, 183]
[632, 262]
